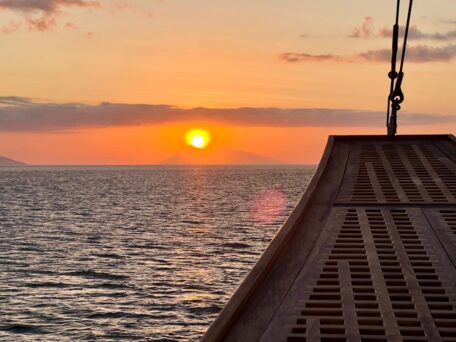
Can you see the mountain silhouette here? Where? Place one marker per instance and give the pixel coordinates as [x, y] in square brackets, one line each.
[4, 161]
[194, 156]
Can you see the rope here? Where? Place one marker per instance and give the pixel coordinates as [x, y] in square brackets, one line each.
[396, 96]
[393, 74]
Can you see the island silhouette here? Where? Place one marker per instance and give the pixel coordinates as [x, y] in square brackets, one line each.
[4, 161]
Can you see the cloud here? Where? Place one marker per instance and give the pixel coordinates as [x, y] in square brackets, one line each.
[438, 21]
[72, 26]
[21, 114]
[415, 54]
[417, 34]
[12, 27]
[47, 6]
[366, 30]
[42, 15]
[292, 57]
[15, 100]
[123, 6]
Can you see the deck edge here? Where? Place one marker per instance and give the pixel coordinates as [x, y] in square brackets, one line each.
[226, 319]
[227, 316]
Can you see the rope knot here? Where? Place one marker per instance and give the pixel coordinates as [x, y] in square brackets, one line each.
[396, 96]
[392, 75]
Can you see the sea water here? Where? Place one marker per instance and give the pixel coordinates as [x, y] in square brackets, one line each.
[132, 253]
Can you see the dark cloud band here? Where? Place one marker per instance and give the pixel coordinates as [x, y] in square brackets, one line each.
[19, 114]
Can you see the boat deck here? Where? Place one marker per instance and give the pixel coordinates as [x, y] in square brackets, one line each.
[368, 254]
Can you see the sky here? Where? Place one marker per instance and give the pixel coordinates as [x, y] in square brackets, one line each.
[121, 82]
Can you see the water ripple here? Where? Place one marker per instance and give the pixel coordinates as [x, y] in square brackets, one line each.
[131, 253]
[96, 275]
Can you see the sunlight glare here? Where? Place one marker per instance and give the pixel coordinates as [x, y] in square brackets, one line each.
[198, 138]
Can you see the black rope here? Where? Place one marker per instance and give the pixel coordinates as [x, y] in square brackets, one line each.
[396, 96]
[393, 74]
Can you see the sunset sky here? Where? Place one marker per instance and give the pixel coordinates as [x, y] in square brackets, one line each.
[121, 82]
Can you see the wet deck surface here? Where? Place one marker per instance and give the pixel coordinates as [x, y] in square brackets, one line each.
[369, 255]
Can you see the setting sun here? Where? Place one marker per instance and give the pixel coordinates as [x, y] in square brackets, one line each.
[198, 138]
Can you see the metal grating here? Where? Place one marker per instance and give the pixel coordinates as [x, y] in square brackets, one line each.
[450, 219]
[398, 173]
[443, 222]
[383, 268]
[380, 278]
[369, 255]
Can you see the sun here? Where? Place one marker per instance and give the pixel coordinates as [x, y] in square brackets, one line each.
[198, 138]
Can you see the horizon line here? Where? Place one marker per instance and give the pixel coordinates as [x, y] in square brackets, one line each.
[182, 165]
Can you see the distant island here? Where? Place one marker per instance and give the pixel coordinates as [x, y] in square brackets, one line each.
[4, 161]
[192, 156]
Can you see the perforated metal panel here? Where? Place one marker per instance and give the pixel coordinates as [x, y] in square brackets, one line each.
[450, 219]
[383, 268]
[379, 276]
[369, 254]
[398, 173]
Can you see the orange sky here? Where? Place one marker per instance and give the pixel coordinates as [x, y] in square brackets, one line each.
[159, 144]
[217, 56]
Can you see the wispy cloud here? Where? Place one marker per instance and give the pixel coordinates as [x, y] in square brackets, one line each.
[20, 114]
[41, 15]
[366, 30]
[438, 20]
[72, 26]
[416, 54]
[292, 57]
[416, 34]
[12, 27]
[125, 6]
[15, 100]
[423, 53]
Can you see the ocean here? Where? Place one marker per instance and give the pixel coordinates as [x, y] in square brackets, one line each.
[132, 253]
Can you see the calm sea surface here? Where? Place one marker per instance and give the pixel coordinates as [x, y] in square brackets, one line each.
[132, 253]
